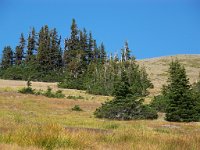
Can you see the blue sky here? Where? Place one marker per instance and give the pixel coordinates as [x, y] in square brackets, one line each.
[152, 27]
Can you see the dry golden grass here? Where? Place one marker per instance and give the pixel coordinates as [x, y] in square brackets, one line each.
[157, 69]
[37, 122]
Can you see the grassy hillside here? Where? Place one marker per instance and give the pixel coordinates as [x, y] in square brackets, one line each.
[157, 69]
[30, 122]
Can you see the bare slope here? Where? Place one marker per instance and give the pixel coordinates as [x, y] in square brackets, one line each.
[157, 69]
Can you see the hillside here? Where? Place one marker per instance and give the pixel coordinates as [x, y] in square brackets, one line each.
[157, 69]
[36, 122]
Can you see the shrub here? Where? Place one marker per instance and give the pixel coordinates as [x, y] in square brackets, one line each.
[125, 109]
[75, 97]
[125, 105]
[49, 93]
[77, 108]
[27, 90]
[159, 103]
[59, 94]
[148, 112]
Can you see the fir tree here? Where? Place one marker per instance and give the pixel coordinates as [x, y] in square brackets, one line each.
[102, 53]
[7, 58]
[125, 106]
[19, 51]
[31, 47]
[181, 106]
[127, 51]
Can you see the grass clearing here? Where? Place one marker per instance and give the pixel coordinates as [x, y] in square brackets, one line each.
[38, 122]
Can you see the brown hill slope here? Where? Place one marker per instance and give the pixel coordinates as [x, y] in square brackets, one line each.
[157, 69]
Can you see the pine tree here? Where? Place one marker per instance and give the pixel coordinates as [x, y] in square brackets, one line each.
[7, 58]
[43, 57]
[73, 42]
[103, 54]
[90, 48]
[31, 47]
[181, 106]
[55, 53]
[125, 106]
[19, 51]
[127, 51]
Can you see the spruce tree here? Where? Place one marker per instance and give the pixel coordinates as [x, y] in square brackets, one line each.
[7, 58]
[31, 47]
[127, 51]
[103, 54]
[181, 105]
[125, 106]
[19, 51]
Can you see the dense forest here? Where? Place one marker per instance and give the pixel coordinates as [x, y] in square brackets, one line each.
[80, 64]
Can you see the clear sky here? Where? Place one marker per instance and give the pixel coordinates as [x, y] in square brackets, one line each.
[152, 27]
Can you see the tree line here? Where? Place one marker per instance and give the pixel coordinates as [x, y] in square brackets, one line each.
[80, 64]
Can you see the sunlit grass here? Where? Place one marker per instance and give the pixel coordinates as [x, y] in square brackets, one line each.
[38, 122]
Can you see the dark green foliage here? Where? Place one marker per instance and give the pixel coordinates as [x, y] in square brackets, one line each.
[77, 108]
[27, 90]
[125, 106]
[83, 65]
[75, 97]
[31, 47]
[196, 95]
[7, 58]
[50, 94]
[47, 93]
[159, 103]
[19, 51]
[182, 106]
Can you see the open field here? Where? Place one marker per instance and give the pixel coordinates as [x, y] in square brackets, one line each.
[157, 69]
[29, 122]
[36, 122]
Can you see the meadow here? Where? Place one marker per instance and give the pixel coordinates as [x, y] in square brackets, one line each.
[31, 122]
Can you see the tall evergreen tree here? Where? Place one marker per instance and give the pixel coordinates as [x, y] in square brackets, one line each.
[44, 42]
[7, 58]
[181, 106]
[90, 48]
[103, 53]
[31, 47]
[55, 53]
[19, 51]
[125, 106]
[127, 51]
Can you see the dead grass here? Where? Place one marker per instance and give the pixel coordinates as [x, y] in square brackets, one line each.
[37, 122]
[157, 69]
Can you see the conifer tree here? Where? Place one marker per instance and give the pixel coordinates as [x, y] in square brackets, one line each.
[19, 51]
[90, 48]
[44, 42]
[125, 106]
[181, 106]
[127, 51]
[103, 53]
[7, 58]
[55, 53]
[31, 47]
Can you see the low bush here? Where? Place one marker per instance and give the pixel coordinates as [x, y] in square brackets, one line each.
[47, 93]
[27, 90]
[76, 108]
[75, 97]
[125, 109]
[159, 103]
